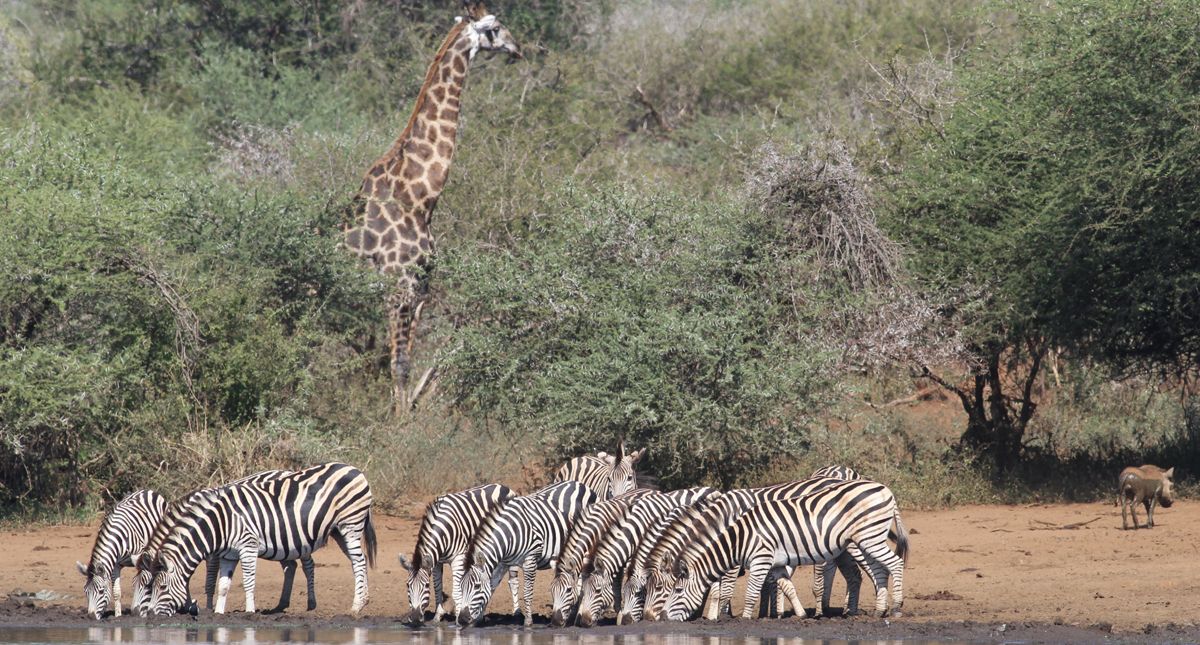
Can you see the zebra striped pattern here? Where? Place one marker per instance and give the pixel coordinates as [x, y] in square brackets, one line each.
[527, 532]
[661, 578]
[580, 546]
[836, 472]
[141, 587]
[445, 535]
[853, 516]
[286, 518]
[608, 475]
[617, 546]
[122, 539]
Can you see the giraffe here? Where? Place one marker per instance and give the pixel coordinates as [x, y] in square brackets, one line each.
[392, 211]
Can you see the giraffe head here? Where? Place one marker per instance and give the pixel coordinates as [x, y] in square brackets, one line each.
[486, 33]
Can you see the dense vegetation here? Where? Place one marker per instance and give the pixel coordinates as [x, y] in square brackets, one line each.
[732, 232]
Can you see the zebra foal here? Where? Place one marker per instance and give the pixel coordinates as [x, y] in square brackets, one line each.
[121, 540]
[445, 534]
[281, 519]
[526, 532]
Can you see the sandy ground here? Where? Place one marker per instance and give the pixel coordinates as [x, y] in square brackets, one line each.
[1044, 572]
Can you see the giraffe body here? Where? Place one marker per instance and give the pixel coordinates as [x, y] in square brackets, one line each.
[393, 209]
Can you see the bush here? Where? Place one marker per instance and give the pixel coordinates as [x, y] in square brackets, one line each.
[649, 319]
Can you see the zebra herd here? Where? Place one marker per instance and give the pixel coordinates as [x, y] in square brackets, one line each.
[662, 554]
[274, 515]
[640, 552]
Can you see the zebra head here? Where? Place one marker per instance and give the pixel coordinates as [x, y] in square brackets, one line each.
[169, 590]
[418, 586]
[97, 588]
[687, 595]
[562, 593]
[142, 580]
[659, 585]
[633, 595]
[596, 597]
[476, 590]
[624, 476]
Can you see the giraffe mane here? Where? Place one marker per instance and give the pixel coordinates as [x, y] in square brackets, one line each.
[422, 94]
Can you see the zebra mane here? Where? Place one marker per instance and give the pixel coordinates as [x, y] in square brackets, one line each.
[424, 534]
[716, 519]
[488, 526]
[175, 511]
[609, 538]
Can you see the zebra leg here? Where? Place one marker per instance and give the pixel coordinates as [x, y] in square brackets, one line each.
[249, 568]
[822, 587]
[728, 581]
[530, 571]
[116, 590]
[350, 540]
[850, 571]
[285, 595]
[788, 590]
[513, 583]
[439, 596]
[310, 580]
[1150, 511]
[869, 561]
[757, 575]
[893, 565]
[212, 564]
[458, 567]
[225, 569]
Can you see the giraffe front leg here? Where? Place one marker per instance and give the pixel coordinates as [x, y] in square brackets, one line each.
[401, 310]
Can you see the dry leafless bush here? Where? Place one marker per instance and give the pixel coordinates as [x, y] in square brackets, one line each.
[253, 153]
[821, 203]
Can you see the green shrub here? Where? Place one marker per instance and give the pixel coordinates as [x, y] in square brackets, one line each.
[647, 318]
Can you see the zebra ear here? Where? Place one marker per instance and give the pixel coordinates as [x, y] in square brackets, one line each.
[405, 563]
[621, 454]
[637, 455]
[83, 571]
[1170, 472]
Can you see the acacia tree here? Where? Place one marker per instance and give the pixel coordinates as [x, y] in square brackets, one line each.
[1061, 192]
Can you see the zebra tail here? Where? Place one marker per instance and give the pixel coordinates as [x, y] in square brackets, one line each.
[369, 541]
[901, 537]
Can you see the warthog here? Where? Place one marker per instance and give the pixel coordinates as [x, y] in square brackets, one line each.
[1146, 484]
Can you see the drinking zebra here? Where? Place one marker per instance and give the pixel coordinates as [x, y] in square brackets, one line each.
[660, 579]
[281, 519]
[608, 475]
[446, 530]
[122, 538]
[581, 543]
[170, 517]
[526, 532]
[602, 572]
[854, 516]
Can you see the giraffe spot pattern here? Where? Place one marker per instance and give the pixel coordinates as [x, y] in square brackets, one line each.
[412, 169]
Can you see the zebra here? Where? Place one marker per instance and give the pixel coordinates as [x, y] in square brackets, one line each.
[122, 538]
[281, 519]
[142, 580]
[446, 530]
[579, 547]
[853, 516]
[526, 532]
[608, 475]
[844, 473]
[660, 578]
[617, 546]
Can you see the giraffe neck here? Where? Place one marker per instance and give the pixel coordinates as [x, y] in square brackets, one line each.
[415, 168]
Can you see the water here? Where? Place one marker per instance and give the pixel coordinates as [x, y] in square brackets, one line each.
[375, 635]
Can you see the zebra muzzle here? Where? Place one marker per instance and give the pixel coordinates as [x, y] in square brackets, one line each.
[190, 608]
